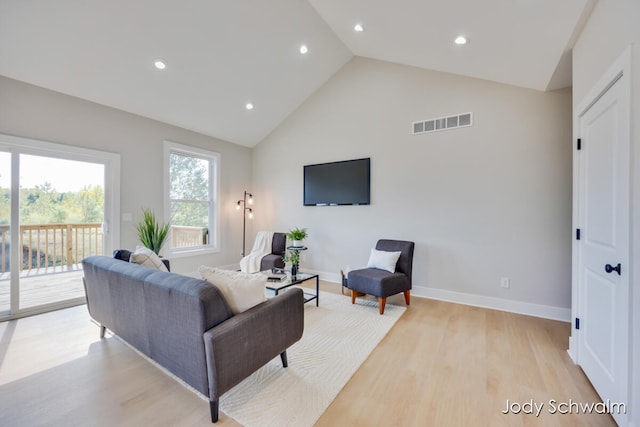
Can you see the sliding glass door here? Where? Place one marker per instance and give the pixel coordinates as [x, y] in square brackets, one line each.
[61, 217]
[5, 232]
[57, 206]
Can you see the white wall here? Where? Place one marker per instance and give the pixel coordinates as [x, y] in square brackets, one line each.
[612, 27]
[481, 202]
[33, 112]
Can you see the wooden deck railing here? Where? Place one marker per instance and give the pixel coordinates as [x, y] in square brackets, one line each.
[52, 245]
[59, 245]
[183, 236]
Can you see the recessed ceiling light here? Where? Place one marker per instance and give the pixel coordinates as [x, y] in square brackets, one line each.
[160, 64]
[304, 49]
[461, 40]
[249, 106]
[358, 28]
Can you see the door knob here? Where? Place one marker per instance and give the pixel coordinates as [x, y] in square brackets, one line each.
[608, 268]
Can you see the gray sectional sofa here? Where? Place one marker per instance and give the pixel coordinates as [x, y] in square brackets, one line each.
[186, 326]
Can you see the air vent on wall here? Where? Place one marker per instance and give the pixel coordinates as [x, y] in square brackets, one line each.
[442, 123]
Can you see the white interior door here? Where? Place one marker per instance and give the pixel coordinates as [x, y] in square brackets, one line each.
[603, 249]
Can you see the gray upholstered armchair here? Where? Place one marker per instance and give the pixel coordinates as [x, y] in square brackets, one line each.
[274, 259]
[382, 283]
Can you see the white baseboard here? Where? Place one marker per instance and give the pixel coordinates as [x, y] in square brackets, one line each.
[570, 350]
[511, 306]
[501, 304]
[327, 277]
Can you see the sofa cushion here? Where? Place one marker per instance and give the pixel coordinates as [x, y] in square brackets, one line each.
[241, 290]
[383, 260]
[380, 283]
[122, 254]
[145, 256]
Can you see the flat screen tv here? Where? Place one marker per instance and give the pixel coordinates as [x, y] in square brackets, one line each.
[338, 183]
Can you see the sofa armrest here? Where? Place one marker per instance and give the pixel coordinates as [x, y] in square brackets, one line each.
[244, 343]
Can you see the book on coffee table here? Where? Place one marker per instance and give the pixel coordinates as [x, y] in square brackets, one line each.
[276, 277]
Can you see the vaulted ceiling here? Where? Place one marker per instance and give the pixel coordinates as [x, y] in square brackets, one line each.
[221, 55]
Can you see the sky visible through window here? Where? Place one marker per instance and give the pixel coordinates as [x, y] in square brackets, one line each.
[63, 175]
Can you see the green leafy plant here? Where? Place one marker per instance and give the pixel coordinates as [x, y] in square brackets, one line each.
[292, 256]
[297, 234]
[152, 233]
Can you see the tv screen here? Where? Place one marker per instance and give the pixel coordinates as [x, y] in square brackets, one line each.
[338, 183]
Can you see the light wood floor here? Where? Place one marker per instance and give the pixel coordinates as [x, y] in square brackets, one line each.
[442, 364]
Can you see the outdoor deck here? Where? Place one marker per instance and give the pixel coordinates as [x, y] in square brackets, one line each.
[44, 286]
[49, 259]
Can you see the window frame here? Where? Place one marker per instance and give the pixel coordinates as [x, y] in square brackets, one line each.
[213, 158]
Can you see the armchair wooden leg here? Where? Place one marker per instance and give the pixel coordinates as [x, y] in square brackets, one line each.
[103, 329]
[353, 296]
[407, 297]
[383, 302]
[283, 357]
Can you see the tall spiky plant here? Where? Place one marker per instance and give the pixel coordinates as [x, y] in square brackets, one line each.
[151, 233]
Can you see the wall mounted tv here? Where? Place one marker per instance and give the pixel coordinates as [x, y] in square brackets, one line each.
[338, 183]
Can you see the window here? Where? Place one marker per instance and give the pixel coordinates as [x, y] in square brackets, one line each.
[191, 191]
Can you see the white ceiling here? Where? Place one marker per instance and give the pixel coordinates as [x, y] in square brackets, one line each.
[222, 54]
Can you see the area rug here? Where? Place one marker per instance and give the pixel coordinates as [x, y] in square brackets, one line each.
[338, 337]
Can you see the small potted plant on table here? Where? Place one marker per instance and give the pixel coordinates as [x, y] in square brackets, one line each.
[293, 256]
[297, 235]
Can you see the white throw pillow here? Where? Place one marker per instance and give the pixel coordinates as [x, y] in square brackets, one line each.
[145, 256]
[241, 290]
[383, 260]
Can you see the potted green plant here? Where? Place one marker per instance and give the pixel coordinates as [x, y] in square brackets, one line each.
[152, 233]
[292, 256]
[297, 235]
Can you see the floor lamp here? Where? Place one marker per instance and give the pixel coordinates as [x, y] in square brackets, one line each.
[242, 204]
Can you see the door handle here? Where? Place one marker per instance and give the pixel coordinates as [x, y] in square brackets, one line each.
[608, 268]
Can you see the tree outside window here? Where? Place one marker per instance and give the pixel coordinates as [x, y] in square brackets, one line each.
[192, 201]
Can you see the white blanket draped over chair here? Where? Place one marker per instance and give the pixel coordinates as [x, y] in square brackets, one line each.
[261, 247]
